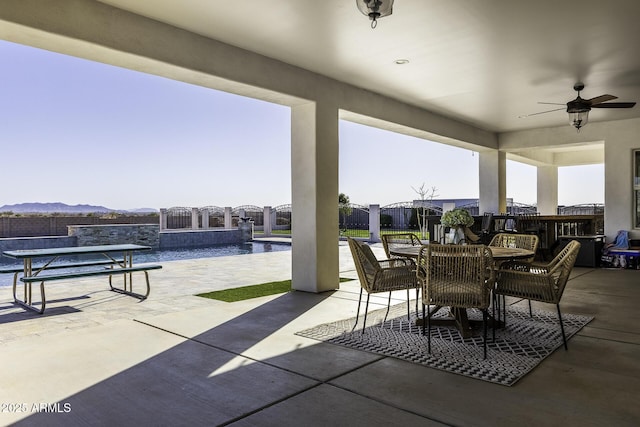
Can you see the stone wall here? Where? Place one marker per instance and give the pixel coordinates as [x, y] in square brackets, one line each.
[140, 234]
[198, 238]
[56, 225]
[85, 235]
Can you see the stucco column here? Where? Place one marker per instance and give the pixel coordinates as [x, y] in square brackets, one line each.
[619, 211]
[205, 218]
[266, 221]
[228, 217]
[163, 219]
[374, 223]
[314, 185]
[493, 176]
[195, 223]
[547, 179]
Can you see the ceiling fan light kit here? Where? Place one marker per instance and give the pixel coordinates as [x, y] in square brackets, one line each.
[579, 108]
[579, 119]
[375, 9]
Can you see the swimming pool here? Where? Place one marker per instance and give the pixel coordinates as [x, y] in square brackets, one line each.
[173, 254]
[211, 251]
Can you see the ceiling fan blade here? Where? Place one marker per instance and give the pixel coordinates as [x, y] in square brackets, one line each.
[541, 112]
[598, 99]
[551, 103]
[615, 105]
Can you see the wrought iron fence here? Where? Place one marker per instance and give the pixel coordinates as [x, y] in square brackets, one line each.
[256, 213]
[282, 221]
[421, 217]
[514, 208]
[179, 217]
[472, 208]
[586, 209]
[353, 220]
[214, 214]
[417, 217]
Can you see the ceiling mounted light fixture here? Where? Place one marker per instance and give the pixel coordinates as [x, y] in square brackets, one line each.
[375, 9]
[578, 109]
[579, 118]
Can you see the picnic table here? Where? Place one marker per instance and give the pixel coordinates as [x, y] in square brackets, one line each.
[113, 260]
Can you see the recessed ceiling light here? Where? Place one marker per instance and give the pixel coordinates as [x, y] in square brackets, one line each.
[401, 61]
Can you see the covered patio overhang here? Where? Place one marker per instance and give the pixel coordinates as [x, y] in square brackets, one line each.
[99, 32]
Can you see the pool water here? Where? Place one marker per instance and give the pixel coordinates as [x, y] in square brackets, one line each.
[170, 255]
[210, 251]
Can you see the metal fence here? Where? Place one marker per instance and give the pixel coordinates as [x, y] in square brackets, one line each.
[513, 208]
[215, 215]
[521, 209]
[408, 216]
[282, 222]
[179, 217]
[586, 209]
[256, 213]
[353, 220]
[421, 217]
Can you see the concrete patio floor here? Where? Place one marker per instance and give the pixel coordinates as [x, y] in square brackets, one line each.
[99, 358]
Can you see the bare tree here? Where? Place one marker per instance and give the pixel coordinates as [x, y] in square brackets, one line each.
[425, 194]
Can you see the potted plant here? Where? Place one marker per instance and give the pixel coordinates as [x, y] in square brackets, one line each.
[456, 220]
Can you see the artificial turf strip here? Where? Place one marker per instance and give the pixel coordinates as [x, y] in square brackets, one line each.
[253, 291]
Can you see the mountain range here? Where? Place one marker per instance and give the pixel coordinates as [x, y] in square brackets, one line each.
[58, 207]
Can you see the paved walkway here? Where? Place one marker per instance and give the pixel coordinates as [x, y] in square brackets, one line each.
[78, 304]
[97, 358]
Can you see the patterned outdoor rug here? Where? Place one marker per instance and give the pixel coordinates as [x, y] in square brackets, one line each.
[519, 347]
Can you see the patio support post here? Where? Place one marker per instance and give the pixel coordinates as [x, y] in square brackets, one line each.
[205, 218]
[163, 219]
[314, 190]
[493, 176]
[195, 218]
[266, 221]
[547, 179]
[228, 217]
[374, 223]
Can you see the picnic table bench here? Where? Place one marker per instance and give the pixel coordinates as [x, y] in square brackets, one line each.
[119, 261]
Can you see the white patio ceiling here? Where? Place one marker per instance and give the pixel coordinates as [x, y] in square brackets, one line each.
[483, 62]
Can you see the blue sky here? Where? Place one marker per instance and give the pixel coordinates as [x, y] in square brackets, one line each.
[98, 134]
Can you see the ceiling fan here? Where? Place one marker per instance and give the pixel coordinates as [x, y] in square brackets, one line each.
[579, 108]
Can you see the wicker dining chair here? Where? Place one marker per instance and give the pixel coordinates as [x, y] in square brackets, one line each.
[401, 240]
[544, 283]
[457, 276]
[381, 276]
[508, 240]
[522, 241]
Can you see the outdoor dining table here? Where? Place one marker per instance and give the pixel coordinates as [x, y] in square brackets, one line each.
[459, 317]
[499, 253]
